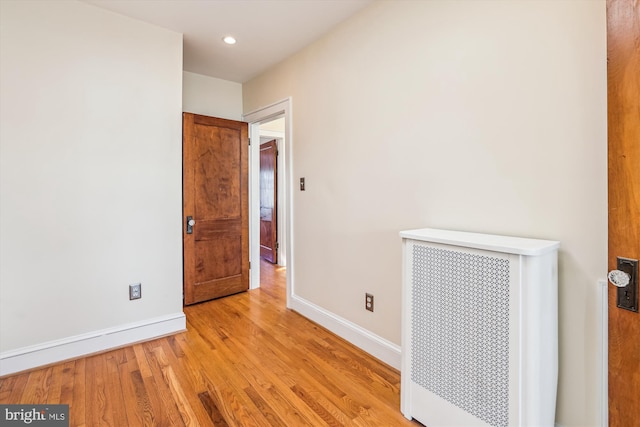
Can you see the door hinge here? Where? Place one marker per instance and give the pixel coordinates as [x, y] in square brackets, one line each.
[277, 245]
[249, 265]
[249, 142]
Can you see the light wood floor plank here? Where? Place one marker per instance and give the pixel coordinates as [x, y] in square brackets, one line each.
[66, 387]
[114, 388]
[170, 405]
[16, 385]
[183, 382]
[77, 406]
[134, 405]
[36, 389]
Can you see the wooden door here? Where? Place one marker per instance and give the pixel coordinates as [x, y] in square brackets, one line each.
[268, 201]
[623, 78]
[215, 198]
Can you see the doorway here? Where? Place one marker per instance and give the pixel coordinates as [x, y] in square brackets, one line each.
[272, 133]
[269, 245]
[272, 122]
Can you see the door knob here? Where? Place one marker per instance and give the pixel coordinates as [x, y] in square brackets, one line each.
[190, 223]
[625, 278]
[619, 278]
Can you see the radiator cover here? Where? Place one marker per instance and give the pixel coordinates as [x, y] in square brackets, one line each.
[479, 329]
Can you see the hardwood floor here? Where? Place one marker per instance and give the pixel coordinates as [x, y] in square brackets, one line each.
[245, 360]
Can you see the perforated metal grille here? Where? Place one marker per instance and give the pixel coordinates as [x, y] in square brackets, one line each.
[460, 330]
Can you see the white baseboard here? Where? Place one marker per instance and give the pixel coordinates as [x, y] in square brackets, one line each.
[93, 342]
[378, 347]
[604, 352]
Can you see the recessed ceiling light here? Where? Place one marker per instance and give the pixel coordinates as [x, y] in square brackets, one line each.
[229, 40]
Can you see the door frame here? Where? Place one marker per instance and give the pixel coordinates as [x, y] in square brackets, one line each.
[255, 118]
[623, 128]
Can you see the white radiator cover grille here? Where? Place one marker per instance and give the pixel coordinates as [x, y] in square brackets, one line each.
[460, 330]
[479, 329]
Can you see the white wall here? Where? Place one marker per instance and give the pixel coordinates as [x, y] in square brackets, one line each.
[211, 97]
[486, 116]
[90, 172]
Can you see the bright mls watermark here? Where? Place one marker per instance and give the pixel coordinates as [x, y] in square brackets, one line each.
[34, 415]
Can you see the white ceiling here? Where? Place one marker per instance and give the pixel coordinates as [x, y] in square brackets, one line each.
[267, 31]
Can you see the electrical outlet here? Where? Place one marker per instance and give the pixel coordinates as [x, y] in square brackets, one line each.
[368, 302]
[135, 291]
